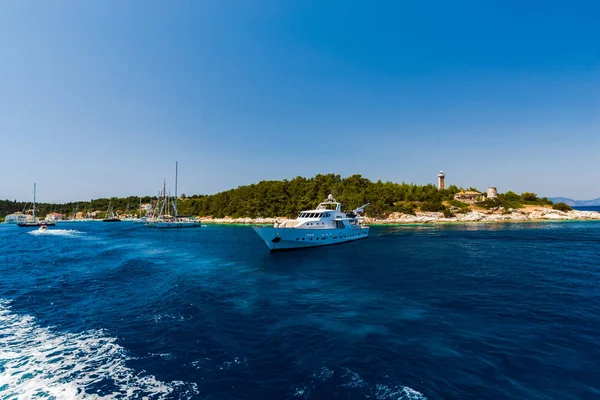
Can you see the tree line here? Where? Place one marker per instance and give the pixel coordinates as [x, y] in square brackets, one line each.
[286, 198]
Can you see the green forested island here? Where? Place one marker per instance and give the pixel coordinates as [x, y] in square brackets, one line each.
[286, 198]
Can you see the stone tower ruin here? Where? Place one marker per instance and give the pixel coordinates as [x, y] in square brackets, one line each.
[441, 183]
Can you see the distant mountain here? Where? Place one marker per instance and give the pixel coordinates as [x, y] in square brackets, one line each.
[576, 203]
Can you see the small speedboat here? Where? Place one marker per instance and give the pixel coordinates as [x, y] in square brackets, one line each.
[43, 228]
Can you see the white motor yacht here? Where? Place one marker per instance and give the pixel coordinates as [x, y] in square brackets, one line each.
[16, 218]
[325, 225]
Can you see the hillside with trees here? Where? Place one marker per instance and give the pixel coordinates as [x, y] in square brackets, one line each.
[286, 198]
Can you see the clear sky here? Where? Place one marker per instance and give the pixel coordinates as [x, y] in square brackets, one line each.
[100, 98]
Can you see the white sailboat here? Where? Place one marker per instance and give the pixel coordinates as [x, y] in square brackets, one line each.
[35, 221]
[325, 225]
[111, 216]
[164, 220]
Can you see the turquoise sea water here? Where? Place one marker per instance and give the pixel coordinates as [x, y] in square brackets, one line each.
[473, 311]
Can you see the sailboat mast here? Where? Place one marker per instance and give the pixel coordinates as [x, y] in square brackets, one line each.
[165, 204]
[175, 204]
[34, 202]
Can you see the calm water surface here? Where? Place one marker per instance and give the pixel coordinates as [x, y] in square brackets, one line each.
[482, 311]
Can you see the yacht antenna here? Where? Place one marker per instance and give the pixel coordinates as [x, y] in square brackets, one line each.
[34, 202]
[175, 203]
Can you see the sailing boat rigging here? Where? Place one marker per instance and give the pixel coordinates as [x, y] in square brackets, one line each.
[164, 220]
[35, 221]
[111, 216]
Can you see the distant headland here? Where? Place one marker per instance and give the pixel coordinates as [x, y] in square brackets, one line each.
[576, 203]
[390, 202]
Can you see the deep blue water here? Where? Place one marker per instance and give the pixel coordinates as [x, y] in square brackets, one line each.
[587, 208]
[482, 311]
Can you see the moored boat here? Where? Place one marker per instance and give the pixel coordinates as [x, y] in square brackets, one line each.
[16, 218]
[111, 216]
[325, 225]
[164, 220]
[34, 221]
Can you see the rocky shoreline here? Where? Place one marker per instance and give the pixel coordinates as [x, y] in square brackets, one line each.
[513, 215]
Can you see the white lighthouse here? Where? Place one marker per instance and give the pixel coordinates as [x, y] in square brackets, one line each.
[441, 183]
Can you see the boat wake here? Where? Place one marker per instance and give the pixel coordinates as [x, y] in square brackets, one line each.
[322, 380]
[56, 232]
[37, 362]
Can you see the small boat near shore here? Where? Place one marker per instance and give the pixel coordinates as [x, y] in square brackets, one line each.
[325, 225]
[111, 216]
[164, 219]
[16, 218]
[34, 221]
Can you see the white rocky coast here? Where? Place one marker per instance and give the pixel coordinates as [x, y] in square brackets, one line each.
[511, 215]
[238, 221]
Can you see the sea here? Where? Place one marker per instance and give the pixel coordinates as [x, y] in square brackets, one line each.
[460, 311]
[587, 208]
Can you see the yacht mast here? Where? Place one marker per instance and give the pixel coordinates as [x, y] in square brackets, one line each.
[165, 205]
[34, 202]
[175, 203]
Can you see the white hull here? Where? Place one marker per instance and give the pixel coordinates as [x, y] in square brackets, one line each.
[16, 219]
[175, 224]
[278, 239]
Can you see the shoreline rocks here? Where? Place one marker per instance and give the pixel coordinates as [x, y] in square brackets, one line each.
[512, 215]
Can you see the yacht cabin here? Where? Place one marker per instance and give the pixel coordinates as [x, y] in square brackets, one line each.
[327, 215]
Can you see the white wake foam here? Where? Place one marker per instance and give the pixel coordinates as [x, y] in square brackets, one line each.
[55, 232]
[352, 381]
[37, 362]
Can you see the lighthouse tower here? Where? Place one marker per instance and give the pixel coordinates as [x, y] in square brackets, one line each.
[441, 183]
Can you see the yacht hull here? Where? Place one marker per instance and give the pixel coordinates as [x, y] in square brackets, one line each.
[280, 239]
[173, 225]
[35, 224]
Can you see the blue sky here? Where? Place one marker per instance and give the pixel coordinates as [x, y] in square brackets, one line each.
[99, 99]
